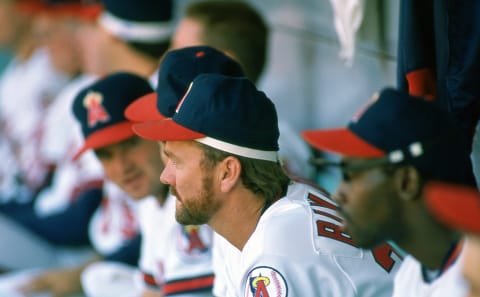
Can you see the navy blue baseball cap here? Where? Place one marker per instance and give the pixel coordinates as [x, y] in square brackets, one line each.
[223, 112]
[100, 107]
[402, 129]
[143, 21]
[177, 70]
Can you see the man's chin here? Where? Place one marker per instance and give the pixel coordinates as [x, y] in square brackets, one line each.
[181, 219]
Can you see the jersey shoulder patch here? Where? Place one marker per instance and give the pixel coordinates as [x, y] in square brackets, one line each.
[266, 282]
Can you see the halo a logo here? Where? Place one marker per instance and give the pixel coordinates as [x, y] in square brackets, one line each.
[265, 281]
[96, 112]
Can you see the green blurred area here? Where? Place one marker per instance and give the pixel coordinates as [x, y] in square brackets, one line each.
[5, 56]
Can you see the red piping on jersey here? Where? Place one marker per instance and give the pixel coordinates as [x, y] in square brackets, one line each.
[185, 285]
[453, 257]
[150, 280]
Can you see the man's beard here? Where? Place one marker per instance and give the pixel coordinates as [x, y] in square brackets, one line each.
[199, 209]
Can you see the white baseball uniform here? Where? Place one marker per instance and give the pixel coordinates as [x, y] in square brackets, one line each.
[226, 261]
[298, 249]
[111, 227]
[60, 141]
[409, 281]
[115, 221]
[175, 258]
[26, 89]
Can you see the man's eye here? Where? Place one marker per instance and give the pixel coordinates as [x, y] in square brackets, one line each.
[131, 142]
[172, 162]
[102, 155]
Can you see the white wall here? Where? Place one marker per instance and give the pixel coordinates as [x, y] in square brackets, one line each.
[311, 85]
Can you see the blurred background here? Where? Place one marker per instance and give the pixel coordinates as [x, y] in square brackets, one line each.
[310, 83]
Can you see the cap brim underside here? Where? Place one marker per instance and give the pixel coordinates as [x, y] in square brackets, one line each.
[106, 136]
[341, 141]
[144, 109]
[165, 130]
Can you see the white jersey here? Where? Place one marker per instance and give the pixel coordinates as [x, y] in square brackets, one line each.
[60, 141]
[409, 281]
[62, 136]
[26, 90]
[114, 222]
[298, 249]
[226, 265]
[175, 258]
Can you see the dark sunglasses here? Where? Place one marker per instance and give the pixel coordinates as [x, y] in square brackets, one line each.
[349, 168]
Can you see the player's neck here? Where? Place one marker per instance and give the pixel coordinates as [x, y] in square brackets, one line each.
[448, 260]
[422, 248]
[238, 217]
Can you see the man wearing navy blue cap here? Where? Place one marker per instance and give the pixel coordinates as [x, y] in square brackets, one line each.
[175, 259]
[178, 69]
[459, 208]
[165, 265]
[389, 151]
[238, 29]
[223, 167]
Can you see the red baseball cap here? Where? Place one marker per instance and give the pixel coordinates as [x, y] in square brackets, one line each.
[455, 205]
[89, 10]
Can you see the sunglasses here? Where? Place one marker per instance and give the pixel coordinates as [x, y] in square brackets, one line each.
[348, 169]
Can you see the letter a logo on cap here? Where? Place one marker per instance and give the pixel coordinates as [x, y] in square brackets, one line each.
[95, 111]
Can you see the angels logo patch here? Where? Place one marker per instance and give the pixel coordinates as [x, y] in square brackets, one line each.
[96, 112]
[194, 241]
[264, 281]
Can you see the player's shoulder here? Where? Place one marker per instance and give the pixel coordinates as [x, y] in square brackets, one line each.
[285, 227]
[409, 278]
[294, 210]
[304, 187]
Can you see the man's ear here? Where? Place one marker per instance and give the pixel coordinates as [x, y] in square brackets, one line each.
[408, 182]
[229, 171]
